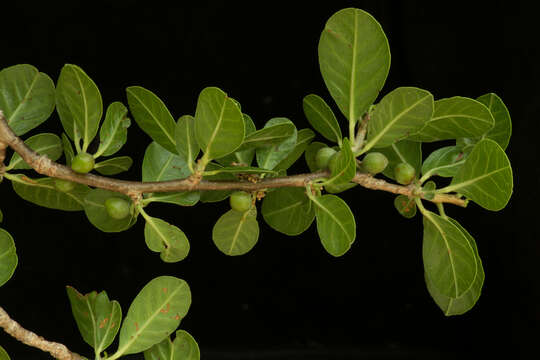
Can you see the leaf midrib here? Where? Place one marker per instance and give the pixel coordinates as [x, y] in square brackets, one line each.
[218, 125]
[14, 113]
[317, 202]
[154, 117]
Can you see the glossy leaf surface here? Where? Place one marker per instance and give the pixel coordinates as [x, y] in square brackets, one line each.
[288, 210]
[8, 256]
[167, 239]
[244, 157]
[270, 157]
[444, 162]
[184, 347]
[113, 131]
[44, 144]
[321, 117]
[114, 166]
[236, 233]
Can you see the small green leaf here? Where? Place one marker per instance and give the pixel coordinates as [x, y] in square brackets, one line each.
[400, 113]
[449, 259]
[454, 118]
[218, 195]
[154, 314]
[44, 144]
[244, 157]
[405, 206]
[159, 164]
[113, 132]
[42, 192]
[184, 347]
[270, 157]
[343, 169]
[97, 318]
[152, 116]
[236, 233]
[79, 104]
[68, 150]
[27, 97]
[444, 162]
[403, 151]
[3, 354]
[303, 139]
[167, 239]
[321, 117]
[502, 130]
[114, 166]
[457, 306]
[335, 224]
[186, 142]
[354, 57]
[288, 210]
[219, 123]
[311, 152]
[428, 190]
[8, 256]
[182, 198]
[486, 176]
[268, 136]
[94, 207]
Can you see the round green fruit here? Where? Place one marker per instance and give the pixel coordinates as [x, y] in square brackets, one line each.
[82, 163]
[240, 201]
[117, 208]
[64, 185]
[374, 163]
[323, 157]
[404, 173]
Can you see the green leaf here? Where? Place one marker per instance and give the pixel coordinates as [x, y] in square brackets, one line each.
[454, 118]
[502, 130]
[339, 188]
[113, 132]
[219, 195]
[94, 207]
[335, 224]
[44, 144]
[409, 152]
[457, 306]
[270, 157]
[240, 170]
[114, 166]
[68, 150]
[236, 233]
[268, 136]
[154, 314]
[288, 210]
[219, 123]
[167, 239]
[3, 354]
[354, 57]
[304, 137]
[186, 142]
[183, 198]
[1, 216]
[8, 256]
[402, 112]
[444, 162]
[321, 117]
[311, 152]
[184, 347]
[26, 97]
[42, 192]
[345, 165]
[244, 157]
[449, 259]
[97, 318]
[152, 116]
[79, 104]
[405, 206]
[162, 165]
[486, 176]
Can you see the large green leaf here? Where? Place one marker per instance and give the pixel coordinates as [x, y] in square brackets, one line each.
[97, 318]
[270, 157]
[3, 354]
[114, 166]
[502, 130]
[400, 113]
[44, 144]
[236, 233]
[167, 239]
[152, 116]
[454, 118]
[26, 97]
[343, 166]
[486, 176]
[321, 117]
[403, 151]
[113, 131]
[184, 347]
[94, 207]
[449, 259]
[79, 104]
[288, 210]
[42, 192]
[335, 224]
[444, 162]
[244, 157]
[219, 123]
[186, 142]
[8, 256]
[154, 314]
[462, 304]
[354, 57]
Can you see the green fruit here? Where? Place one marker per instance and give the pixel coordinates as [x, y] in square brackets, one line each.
[64, 185]
[117, 208]
[240, 201]
[323, 157]
[374, 163]
[83, 163]
[404, 173]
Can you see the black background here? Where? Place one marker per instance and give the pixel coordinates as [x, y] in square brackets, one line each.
[287, 298]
